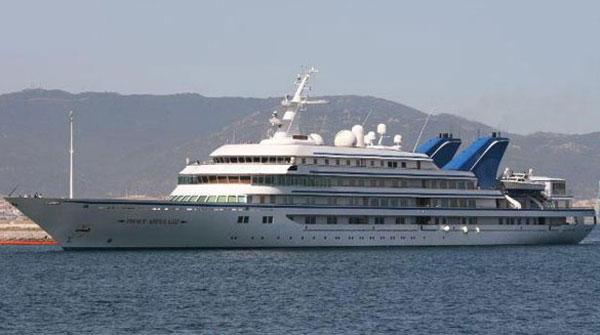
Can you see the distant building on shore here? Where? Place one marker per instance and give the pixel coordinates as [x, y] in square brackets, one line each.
[8, 212]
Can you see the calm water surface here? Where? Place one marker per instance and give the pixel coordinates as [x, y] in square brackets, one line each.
[483, 290]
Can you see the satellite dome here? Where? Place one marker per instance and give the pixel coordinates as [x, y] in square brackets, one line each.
[344, 138]
[359, 132]
[370, 137]
[381, 129]
[316, 138]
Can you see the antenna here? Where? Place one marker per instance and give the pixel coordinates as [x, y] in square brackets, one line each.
[17, 186]
[71, 151]
[421, 132]
[299, 100]
[598, 202]
[367, 117]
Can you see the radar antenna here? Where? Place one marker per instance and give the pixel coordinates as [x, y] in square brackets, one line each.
[295, 103]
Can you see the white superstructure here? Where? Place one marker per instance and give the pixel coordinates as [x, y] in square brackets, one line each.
[292, 190]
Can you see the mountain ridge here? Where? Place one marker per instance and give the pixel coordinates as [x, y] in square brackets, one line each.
[137, 143]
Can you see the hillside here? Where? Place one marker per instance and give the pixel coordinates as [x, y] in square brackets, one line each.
[135, 144]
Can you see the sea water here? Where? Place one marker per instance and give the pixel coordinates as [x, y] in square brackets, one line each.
[434, 290]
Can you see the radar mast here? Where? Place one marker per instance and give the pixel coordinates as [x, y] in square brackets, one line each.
[293, 105]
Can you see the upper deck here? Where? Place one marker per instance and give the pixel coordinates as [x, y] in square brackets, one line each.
[308, 150]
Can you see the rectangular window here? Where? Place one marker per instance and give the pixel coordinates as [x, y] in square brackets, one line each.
[267, 219]
[403, 165]
[243, 219]
[310, 219]
[379, 220]
[332, 220]
[400, 220]
[358, 220]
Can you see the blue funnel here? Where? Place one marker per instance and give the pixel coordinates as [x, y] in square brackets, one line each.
[440, 149]
[482, 158]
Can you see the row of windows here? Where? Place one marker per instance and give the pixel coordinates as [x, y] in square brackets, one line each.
[521, 221]
[243, 219]
[329, 181]
[364, 201]
[422, 220]
[331, 201]
[254, 159]
[381, 163]
[314, 237]
[234, 199]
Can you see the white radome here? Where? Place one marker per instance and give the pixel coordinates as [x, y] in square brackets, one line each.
[344, 138]
[359, 132]
[316, 138]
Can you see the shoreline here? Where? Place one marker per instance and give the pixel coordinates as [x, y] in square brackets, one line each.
[23, 232]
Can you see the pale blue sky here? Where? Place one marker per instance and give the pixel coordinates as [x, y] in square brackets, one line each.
[519, 65]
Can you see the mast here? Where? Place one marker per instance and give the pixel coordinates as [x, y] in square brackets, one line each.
[421, 132]
[71, 151]
[295, 103]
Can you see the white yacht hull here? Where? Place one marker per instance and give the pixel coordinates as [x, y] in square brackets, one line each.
[79, 224]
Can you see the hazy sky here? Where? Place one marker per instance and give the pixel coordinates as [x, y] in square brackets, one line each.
[524, 66]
